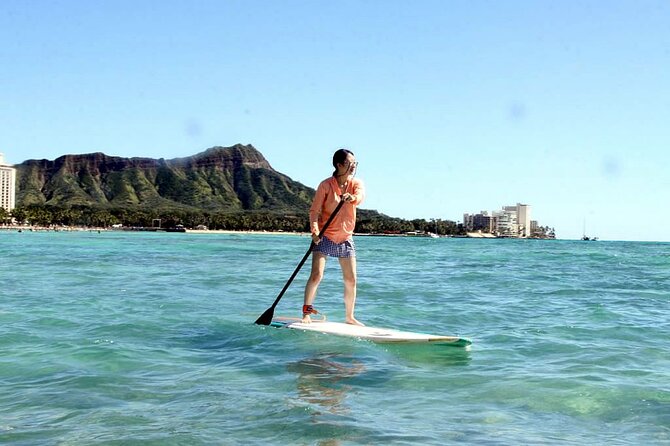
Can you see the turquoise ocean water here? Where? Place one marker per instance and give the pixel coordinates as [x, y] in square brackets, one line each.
[148, 338]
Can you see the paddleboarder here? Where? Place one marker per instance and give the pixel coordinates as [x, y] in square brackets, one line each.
[337, 240]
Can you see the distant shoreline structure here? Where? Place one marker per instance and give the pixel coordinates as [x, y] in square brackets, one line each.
[411, 234]
[480, 234]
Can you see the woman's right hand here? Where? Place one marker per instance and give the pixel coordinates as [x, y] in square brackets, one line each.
[316, 239]
[348, 198]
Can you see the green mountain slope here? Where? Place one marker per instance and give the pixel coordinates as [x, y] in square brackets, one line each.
[236, 178]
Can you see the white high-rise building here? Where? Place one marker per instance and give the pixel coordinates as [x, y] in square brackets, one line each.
[507, 222]
[523, 218]
[513, 221]
[510, 221]
[7, 185]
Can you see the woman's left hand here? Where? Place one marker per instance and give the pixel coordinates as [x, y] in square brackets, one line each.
[347, 197]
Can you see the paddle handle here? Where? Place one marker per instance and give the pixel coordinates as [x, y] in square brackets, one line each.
[309, 251]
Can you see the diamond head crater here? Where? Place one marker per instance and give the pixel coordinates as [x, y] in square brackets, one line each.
[222, 188]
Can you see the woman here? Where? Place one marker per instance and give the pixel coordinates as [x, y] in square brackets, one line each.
[337, 241]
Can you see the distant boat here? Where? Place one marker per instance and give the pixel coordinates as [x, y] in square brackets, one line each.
[178, 228]
[421, 234]
[585, 237]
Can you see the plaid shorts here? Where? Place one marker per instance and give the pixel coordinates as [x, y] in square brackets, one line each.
[327, 247]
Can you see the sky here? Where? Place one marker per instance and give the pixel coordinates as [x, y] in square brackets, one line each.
[450, 107]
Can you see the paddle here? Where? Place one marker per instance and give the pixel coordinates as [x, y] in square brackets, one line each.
[266, 318]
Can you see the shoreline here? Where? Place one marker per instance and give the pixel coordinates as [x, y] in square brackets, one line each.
[138, 229]
[233, 232]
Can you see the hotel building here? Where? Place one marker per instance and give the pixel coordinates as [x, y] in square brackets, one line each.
[7, 185]
[510, 221]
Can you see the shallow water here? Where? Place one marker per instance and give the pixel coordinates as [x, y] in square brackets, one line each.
[148, 338]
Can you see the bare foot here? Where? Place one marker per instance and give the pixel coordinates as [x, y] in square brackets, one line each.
[353, 321]
[306, 319]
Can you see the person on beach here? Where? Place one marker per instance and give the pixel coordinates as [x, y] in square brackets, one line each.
[337, 241]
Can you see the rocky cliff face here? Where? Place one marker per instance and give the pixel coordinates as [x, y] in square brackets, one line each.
[221, 178]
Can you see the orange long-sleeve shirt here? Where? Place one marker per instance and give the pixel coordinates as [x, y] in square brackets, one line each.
[326, 200]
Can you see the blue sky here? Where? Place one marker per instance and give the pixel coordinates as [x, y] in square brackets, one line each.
[449, 106]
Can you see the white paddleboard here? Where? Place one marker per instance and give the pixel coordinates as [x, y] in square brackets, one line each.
[374, 334]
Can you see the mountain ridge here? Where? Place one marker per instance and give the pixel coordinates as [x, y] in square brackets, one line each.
[235, 178]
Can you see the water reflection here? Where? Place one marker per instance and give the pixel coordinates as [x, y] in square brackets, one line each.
[329, 384]
[323, 381]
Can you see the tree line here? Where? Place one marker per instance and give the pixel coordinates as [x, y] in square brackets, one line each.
[369, 222]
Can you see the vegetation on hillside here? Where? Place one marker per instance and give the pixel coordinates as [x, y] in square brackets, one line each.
[369, 222]
[232, 188]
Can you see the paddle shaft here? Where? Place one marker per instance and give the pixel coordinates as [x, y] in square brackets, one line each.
[266, 318]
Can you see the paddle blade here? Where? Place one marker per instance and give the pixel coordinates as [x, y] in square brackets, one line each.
[266, 318]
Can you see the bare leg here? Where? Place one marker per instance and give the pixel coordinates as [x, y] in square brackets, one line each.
[348, 265]
[315, 276]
